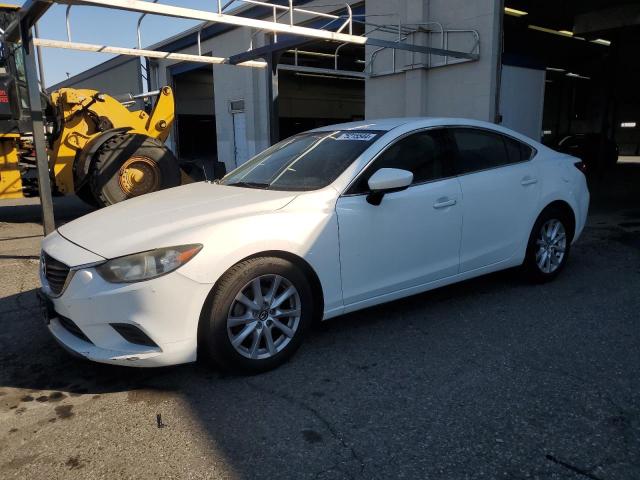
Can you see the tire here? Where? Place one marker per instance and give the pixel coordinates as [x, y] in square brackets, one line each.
[85, 194]
[225, 317]
[111, 181]
[537, 266]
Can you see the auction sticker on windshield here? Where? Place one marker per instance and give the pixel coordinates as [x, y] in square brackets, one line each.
[365, 137]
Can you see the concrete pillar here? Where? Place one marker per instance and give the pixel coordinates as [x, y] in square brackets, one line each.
[461, 90]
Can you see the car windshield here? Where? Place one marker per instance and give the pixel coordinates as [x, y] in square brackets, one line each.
[308, 161]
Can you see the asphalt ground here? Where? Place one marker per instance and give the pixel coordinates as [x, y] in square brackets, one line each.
[491, 378]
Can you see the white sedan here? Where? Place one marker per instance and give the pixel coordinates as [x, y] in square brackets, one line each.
[326, 222]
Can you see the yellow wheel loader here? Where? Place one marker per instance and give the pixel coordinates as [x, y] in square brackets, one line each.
[99, 147]
[106, 153]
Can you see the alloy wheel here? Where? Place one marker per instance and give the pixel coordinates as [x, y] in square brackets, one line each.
[552, 244]
[264, 317]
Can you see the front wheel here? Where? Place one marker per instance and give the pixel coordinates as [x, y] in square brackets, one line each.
[548, 247]
[257, 315]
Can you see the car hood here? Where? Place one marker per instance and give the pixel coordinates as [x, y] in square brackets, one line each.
[160, 218]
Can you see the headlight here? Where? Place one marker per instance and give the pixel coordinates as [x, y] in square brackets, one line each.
[147, 265]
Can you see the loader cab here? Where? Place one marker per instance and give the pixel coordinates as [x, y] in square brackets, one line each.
[14, 106]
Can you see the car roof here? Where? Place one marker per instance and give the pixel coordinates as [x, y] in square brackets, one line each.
[384, 124]
[388, 124]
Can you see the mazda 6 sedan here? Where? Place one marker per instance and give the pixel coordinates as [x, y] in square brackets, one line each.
[323, 223]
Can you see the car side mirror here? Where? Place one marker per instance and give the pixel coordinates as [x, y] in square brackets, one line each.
[387, 180]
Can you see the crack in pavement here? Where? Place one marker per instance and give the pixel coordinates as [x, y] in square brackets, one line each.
[330, 428]
[600, 392]
[573, 468]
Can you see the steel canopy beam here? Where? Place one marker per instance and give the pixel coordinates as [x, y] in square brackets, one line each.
[377, 42]
[135, 52]
[261, 52]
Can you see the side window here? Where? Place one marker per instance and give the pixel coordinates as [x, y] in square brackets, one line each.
[517, 151]
[479, 149]
[425, 154]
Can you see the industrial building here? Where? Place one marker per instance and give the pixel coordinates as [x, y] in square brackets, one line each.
[546, 68]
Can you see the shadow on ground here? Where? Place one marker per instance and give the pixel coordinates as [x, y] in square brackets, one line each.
[28, 210]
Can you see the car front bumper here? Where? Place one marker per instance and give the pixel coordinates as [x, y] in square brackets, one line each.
[164, 312]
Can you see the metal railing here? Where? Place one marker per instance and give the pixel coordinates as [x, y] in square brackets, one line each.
[406, 31]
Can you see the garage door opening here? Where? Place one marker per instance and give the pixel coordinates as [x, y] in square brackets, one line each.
[570, 73]
[317, 89]
[573, 58]
[195, 126]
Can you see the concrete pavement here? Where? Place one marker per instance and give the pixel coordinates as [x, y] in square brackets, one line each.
[492, 378]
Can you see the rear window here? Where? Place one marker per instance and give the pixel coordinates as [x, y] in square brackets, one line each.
[480, 149]
[518, 151]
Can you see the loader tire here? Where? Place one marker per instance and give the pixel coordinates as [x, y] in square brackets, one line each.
[129, 165]
[85, 194]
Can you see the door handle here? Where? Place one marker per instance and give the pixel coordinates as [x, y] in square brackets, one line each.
[444, 202]
[528, 181]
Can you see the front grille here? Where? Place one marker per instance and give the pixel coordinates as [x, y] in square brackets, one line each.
[55, 272]
[73, 329]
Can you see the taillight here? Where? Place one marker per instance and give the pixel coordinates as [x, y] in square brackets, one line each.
[581, 166]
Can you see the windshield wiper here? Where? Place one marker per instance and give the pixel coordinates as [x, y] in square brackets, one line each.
[249, 185]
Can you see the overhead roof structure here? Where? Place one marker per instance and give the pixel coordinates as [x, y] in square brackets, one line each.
[339, 29]
[34, 9]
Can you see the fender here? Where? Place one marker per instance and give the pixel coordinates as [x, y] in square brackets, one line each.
[85, 157]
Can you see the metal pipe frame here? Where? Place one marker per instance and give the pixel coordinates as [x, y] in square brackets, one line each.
[33, 9]
[67, 13]
[335, 54]
[288, 9]
[192, 14]
[139, 36]
[36, 34]
[137, 52]
[181, 12]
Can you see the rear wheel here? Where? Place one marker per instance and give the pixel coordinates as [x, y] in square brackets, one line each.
[257, 316]
[130, 165]
[549, 245]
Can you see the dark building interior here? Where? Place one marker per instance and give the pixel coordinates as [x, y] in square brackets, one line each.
[588, 50]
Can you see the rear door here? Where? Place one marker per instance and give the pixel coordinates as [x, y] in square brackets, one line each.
[500, 191]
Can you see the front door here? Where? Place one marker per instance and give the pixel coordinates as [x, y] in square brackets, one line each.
[413, 236]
